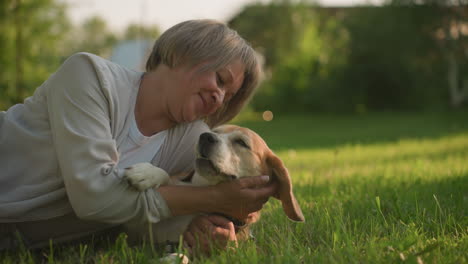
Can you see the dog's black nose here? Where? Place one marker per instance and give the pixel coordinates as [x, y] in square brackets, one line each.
[205, 143]
[208, 138]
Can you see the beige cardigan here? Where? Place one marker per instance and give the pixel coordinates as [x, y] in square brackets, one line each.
[59, 150]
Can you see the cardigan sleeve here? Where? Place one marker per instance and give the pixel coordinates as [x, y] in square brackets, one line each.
[80, 119]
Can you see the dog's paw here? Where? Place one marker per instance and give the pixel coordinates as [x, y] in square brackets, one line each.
[142, 176]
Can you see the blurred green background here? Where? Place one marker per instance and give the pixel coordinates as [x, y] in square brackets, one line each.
[404, 55]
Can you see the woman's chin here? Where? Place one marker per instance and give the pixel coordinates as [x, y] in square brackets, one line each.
[194, 115]
[188, 118]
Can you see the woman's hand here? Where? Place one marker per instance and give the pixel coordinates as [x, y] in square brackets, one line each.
[236, 199]
[206, 233]
[242, 197]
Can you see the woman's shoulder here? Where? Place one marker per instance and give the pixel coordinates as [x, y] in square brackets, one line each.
[82, 55]
[84, 60]
[86, 57]
[109, 75]
[98, 63]
[83, 63]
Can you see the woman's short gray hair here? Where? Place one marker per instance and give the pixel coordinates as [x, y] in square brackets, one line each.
[196, 41]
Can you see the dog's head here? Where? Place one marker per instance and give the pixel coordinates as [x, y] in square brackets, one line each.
[231, 152]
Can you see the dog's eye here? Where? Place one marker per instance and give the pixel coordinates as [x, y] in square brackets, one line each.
[241, 143]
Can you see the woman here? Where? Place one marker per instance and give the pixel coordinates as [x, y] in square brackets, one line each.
[63, 153]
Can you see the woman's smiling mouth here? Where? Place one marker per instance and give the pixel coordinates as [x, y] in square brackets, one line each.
[204, 108]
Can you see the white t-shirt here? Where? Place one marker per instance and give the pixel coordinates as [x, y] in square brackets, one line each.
[137, 147]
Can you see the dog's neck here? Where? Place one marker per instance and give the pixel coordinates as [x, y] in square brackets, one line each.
[196, 179]
[199, 180]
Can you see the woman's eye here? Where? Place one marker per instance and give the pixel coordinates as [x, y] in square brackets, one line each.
[241, 143]
[219, 80]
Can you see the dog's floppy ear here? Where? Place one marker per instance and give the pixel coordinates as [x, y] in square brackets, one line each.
[285, 192]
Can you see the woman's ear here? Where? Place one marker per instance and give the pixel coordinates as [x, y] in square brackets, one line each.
[285, 192]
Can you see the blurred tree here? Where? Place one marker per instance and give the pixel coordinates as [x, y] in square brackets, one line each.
[18, 25]
[305, 80]
[453, 39]
[7, 48]
[92, 36]
[394, 62]
[394, 57]
[272, 29]
[36, 36]
[450, 18]
[300, 46]
[135, 31]
[31, 31]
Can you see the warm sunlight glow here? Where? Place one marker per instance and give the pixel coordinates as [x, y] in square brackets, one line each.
[267, 115]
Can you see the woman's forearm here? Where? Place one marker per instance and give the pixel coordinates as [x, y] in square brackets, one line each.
[184, 200]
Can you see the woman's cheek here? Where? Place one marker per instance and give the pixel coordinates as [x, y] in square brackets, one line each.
[193, 111]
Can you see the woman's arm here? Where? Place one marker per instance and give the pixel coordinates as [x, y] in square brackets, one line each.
[82, 108]
[236, 198]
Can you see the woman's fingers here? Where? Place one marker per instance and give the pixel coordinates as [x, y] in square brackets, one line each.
[255, 199]
[222, 237]
[198, 233]
[254, 182]
[219, 221]
[203, 224]
[207, 232]
[257, 187]
[189, 239]
[223, 231]
[241, 197]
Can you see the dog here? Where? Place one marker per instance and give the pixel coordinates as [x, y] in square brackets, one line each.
[226, 153]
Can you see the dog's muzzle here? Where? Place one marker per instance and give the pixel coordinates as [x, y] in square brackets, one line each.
[205, 144]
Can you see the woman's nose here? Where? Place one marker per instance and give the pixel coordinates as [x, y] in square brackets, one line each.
[218, 97]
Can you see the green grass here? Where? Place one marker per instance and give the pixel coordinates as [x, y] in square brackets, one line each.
[376, 188]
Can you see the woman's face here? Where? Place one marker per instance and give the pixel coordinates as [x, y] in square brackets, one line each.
[195, 94]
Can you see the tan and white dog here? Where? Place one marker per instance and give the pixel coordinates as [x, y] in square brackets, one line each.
[227, 153]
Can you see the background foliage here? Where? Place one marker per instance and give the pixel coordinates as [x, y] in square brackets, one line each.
[36, 36]
[404, 55]
[401, 56]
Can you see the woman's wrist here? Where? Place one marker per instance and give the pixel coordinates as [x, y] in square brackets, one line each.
[214, 199]
[185, 200]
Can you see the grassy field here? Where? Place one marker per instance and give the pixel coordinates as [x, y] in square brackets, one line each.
[375, 188]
